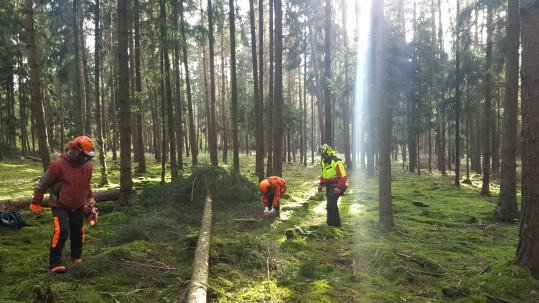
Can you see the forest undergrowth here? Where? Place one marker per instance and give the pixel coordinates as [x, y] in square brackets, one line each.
[444, 247]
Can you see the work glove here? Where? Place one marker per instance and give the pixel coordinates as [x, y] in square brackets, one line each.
[337, 191]
[36, 208]
[319, 187]
[266, 210]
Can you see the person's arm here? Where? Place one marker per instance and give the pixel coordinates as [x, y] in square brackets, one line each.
[49, 177]
[341, 175]
[90, 193]
[265, 200]
[276, 195]
[44, 183]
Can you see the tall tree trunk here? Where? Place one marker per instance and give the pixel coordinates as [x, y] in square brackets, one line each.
[346, 97]
[259, 165]
[234, 88]
[126, 180]
[304, 121]
[468, 152]
[169, 108]
[328, 127]
[270, 113]
[177, 85]
[224, 126]
[79, 101]
[485, 189]
[192, 134]
[261, 77]
[98, 105]
[213, 129]
[527, 254]
[278, 102]
[132, 88]
[507, 208]
[87, 107]
[162, 91]
[457, 99]
[385, 116]
[319, 87]
[37, 97]
[138, 89]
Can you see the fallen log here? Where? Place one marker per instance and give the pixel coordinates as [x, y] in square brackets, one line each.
[100, 195]
[199, 279]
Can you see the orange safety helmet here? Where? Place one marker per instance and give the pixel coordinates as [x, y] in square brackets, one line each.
[264, 186]
[83, 144]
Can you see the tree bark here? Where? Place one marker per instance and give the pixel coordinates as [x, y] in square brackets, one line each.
[270, 117]
[278, 102]
[212, 138]
[234, 88]
[192, 134]
[346, 98]
[37, 97]
[485, 189]
[457, 100]
[126, 180]
[328, 116]
[79, 95]
[260, 124]
[507, 209]
[138, 89]
[385, 116]
[527, 254]
[98, 105]
[177, 85]
[168, 94]
[259, 165]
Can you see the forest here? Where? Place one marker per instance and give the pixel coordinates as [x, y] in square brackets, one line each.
[431, 105]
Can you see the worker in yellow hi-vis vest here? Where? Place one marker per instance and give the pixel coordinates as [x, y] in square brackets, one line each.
[334, 178]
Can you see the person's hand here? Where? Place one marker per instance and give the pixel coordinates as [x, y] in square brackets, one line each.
[91, 201]
[36, 208]
[337, 191]
[319, 187]
[266, 210]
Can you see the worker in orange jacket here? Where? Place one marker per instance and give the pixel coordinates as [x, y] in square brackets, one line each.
[68, 179]
[272, 189]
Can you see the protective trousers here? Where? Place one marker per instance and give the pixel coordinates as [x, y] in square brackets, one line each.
[333, 217]
[66, 223]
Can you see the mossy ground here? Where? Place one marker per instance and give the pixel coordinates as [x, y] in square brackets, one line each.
[445, 246]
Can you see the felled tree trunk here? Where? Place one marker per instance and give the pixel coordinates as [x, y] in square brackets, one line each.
[199, 278]
[100, 195]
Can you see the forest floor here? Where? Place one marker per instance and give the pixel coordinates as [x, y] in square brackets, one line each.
[444, 247]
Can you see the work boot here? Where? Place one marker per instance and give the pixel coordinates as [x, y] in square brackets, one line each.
[77, 261]
[60, 269]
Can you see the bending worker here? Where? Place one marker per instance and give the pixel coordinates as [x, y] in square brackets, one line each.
[272, 189]
[69, 180]
[334, 179]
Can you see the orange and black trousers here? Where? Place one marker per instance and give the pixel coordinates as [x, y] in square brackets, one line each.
[67, 223]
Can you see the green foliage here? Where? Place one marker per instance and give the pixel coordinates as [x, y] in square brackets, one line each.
[248, 251]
